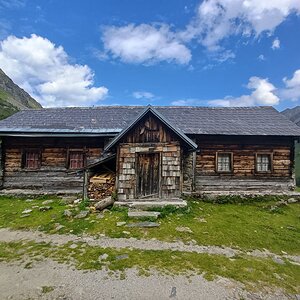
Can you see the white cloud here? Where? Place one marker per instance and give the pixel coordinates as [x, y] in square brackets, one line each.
[261, 57]
[292, 90]
[43, 70]
[263, 94]
[12, 3]
[145, 44]
[142, 95]
[276, 44]
[218, 19]
[186, 102]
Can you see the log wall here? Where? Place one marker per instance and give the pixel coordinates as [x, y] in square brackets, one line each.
[244, 175]
[54, 173]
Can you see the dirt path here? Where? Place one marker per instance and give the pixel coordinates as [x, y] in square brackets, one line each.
[7, 235]
[66, 283]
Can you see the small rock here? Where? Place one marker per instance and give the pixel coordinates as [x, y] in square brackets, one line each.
[273, 208]
[45, 208]
[126, 232]
[184, 229]
[68, 200]
[202, 220]
[58, 226]
[35, 206]
[26, 211]
[77, 201]
[47, 202]
[283, 252]
[103, 257]
[83, 214]
[173, 292]
[73, 246]
[67, 213]
[143, 224]
[25, 215]
[120, 224]
[278, 260]
[100, 216]
[122, 256]
[28, 200]
[292, 200]
[291, 227]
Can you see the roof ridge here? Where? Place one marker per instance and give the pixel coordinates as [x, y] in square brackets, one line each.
[144, 106]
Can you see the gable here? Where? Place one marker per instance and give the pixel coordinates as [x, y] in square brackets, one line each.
[150, 127]
[149, 130]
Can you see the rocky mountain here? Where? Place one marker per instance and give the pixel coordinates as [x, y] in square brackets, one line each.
[13, 98]
[293, 114]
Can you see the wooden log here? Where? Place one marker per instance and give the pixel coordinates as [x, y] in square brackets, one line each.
[104, 203]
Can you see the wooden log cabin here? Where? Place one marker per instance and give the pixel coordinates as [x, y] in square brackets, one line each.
[154, 152]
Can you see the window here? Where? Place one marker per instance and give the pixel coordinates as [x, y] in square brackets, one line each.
[32, 159]
[263, 163]
[76, 159]
[224, 162]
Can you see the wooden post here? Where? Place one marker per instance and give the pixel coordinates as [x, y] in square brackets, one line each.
[85, 184]
[194, 171]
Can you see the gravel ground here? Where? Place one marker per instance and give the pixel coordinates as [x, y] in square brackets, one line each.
[7, 235]
[18, 283]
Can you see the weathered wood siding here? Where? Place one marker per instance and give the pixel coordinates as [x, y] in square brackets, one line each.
[169, 170]
[54, 173]
[244, 175]
[149, 136]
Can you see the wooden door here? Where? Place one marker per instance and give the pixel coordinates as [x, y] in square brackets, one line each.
[148, 175]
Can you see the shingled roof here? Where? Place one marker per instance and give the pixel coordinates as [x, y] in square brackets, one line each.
[113, 119]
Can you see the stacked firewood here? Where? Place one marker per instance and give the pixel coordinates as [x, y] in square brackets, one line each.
[102, 185]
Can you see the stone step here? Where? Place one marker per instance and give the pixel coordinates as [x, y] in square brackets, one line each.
[143, 214]
[150, 204]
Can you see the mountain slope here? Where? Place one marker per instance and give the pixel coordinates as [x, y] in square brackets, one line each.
[293, 114]
[13, 98]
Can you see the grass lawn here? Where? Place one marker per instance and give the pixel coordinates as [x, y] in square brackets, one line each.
[244, 226]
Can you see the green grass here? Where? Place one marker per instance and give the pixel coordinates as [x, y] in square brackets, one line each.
[253, 272]
[245, 226]
[297, 164]
[6, 109]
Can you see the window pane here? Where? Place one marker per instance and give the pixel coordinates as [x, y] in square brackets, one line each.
[76, 160]
[224, 162]
[32, 160]
[263, 163]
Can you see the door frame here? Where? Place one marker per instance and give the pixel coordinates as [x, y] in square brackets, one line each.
[137, 196]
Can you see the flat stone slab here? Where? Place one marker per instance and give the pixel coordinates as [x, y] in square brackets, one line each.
[143, 225]
[150, 203]
[143, 214]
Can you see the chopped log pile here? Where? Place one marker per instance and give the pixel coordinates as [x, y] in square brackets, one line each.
[102, 185]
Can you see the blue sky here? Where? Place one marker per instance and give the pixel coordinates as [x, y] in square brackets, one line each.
[134, 52]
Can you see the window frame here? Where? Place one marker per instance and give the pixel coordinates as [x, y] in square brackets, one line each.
[270, 154]
[217, 163]
[72, 151]
[24, 163]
